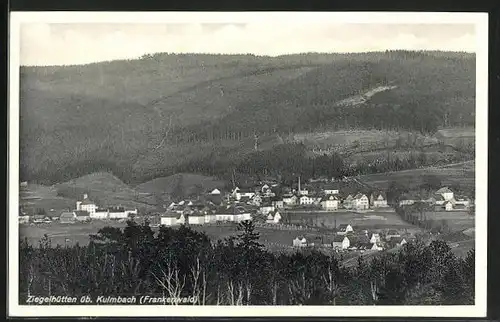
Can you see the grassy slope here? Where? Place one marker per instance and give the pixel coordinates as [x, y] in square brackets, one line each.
[110, 116]
[166, 185]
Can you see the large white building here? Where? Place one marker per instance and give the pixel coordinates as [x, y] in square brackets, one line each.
[330, 203]
[86, 205]
[446, 193]
[361, 202]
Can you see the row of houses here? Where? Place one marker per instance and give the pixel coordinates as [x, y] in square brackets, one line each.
[348, 240]
[86, 210]
[443, 199]
[206, 215]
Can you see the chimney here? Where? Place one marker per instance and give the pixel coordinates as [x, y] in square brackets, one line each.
[299, 185]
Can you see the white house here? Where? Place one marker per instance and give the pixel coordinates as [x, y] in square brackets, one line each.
[225, 215]
[82, 215]
[446, 193]
[306, 200]
[23, 219]
[299, 242]
[86, 205]
[378, 200]
[196, 219]
[117, 213]
[290, 200]
[361, 202]
[330, 202]
[171, 219]
[238, 194]
[375, 238]
[273, 217]
[344, 229]
[215, 192]
[341, 242]
[331, 191]
[242, 217]
[265, 209]
[100, 214]
[278, 204]
[256, 200]
[448, 205]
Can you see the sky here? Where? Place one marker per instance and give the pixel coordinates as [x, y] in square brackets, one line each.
[45, 44]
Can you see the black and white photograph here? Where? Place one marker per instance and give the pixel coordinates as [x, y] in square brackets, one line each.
[248, 164]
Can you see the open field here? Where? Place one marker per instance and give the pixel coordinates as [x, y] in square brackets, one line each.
[462, 174]
[457, 220]
[187, 181]
[58, 233]
[103, 188]
[367, 220]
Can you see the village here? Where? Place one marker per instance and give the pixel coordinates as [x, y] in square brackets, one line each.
[271, 205]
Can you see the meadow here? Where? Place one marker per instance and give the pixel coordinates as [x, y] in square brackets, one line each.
[461, 174]
[367, 220]
[64, 234]
[457, 220]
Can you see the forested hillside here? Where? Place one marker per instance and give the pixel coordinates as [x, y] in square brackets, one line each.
[165, 113]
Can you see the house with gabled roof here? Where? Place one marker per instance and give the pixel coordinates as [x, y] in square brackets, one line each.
[306, 200]
[67, 217]
[341, 242]
[273, 217]
[330, 202]
[86, 205]
[215, 192]
[344, 229]
[361, 201]
[375, 238]
[448, 205]
[378, 200]
[299, 241]
[277, 202]
[446, 193]
[290, 200]
[348, 202]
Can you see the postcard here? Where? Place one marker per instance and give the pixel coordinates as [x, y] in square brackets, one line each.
[248, 164]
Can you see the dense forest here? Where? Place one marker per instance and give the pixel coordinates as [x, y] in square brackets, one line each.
[158, 114]
[239, 271]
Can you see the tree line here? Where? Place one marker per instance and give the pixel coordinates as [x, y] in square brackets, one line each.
[240, 271]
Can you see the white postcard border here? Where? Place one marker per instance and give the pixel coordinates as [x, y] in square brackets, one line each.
[479, 19]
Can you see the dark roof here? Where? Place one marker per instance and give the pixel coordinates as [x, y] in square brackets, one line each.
[392, 232]
[82, 213]
[67, 215]
[376, 194]
[344, 226]
[359, 239]
[338, 239]
[87, 201]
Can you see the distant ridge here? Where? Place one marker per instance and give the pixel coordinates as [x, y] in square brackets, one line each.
[167, 113]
